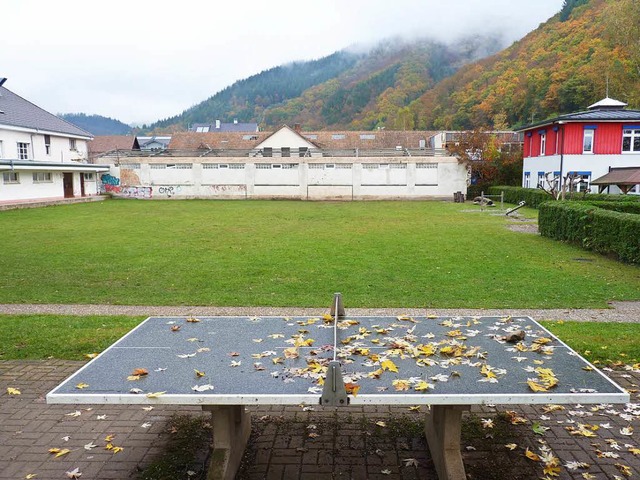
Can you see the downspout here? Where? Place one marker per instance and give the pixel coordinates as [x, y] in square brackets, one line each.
[562, 160]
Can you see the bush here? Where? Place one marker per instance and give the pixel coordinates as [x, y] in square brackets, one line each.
[515, 195]
[534, 197]
[593, 227]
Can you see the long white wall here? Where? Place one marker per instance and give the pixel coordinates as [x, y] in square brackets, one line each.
[326, 178]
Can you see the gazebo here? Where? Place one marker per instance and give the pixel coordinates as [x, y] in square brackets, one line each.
[625, 178]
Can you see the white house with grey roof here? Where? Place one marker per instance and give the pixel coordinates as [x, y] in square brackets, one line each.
[42, 157]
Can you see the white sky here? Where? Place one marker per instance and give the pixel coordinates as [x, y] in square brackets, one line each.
[140, 61]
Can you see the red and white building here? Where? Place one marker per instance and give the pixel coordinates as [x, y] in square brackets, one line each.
[587, 144]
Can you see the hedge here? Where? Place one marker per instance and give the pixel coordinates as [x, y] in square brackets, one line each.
[594, 228]
[534, 197]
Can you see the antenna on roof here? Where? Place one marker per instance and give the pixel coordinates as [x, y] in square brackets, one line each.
[2, 80]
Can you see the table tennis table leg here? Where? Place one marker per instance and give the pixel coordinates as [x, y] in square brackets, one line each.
[443, 430]
[231, 430]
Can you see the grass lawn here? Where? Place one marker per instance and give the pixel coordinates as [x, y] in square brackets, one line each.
[293, 253]
[36, 337]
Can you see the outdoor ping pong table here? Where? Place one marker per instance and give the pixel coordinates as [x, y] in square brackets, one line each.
[227, 363]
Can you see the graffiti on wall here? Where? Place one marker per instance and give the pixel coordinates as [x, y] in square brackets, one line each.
[111, 184]
[169, 191]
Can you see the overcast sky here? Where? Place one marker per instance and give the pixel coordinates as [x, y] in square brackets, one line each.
[140, 61]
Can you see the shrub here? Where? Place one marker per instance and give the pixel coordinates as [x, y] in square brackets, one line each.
[534, 197]
[593, 227]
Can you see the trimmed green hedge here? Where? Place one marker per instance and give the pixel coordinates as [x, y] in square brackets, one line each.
[592, 227]
[534, 197]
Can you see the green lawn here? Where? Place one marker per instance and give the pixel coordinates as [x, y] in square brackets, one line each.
[287, 253]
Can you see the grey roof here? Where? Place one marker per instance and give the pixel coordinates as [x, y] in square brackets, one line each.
[18, 112]
[227, 127]
[601, 115]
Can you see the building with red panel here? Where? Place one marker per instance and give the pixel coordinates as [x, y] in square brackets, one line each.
[586, 144]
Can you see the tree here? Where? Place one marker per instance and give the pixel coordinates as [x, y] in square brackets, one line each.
[490, 159]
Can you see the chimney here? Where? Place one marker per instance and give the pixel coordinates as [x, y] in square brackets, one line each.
[217, 124]
[297, 127]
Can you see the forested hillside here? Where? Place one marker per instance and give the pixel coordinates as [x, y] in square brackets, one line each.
[352, 90]
[561, 67]
[97, 124]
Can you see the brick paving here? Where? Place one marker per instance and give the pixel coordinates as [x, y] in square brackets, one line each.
[306, 443]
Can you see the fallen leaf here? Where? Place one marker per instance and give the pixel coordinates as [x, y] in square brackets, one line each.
[381, 424]
[155, 394]
[81, 385]
[192, 320]
[202, 388]
[628, 431]
[90, 355]
[511, 446]
[89, 446]
[531, 455]
[410, 462]
[235, 363]
[101, 417]
[29, 476]
[539, 429]
[175, 328]
[13, 391]
[624, 469]
[634, 450]
[386, 471]
[199, 373]
[352, 389]
[487, 422]
[108, 438]
[146, 425]
[140, 372]
[147, 409]
[59, 452]
[77, 413]
[75, 473]
[389, 365]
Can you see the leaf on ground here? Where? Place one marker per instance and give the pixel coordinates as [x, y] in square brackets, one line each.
[140, 372]
[389, 365]
[155, 394]
[29, 476]
[175, 328]
[400, 385]
[624, 469]
[89, 446]
[531, 455]
[90, 355]
[202, 388]
[422, 386]
[352, 389]
[199, 373]
[108, 438]
[77, 413]
[487, 422]
[59, 452]
[13, 391]
[410, 462]
[511, 446]
[75, 473]
[628, 431]
[538, 428]
[82, 385]
[192, 320]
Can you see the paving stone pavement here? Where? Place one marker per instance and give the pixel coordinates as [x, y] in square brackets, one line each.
[307, 442]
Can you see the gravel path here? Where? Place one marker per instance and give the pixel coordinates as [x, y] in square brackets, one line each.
[618, 311]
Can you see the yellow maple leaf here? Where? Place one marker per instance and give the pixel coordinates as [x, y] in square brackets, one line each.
[291, 352]
[624, 469]
[536, 387]
[635, 450]
[531, 455]
[552, 470]
[59, 452]
[30, 476]
[13, 391]
[108, 438]
[199, 373]
[376, 373]
[389, 365]
[400, 385]
[542, 340]
[81, 385]
[454, 333]
[422, 386]
[155, 394]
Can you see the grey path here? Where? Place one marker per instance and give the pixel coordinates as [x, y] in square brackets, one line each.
[618, 311]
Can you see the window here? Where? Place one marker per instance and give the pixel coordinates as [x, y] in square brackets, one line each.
[398, 166]
[426, 165]
[543, 143]
[267, 152]
[88, 176]
[367, 136]
[202, 129]
[285, 151]
[23, 151]
[72, 144]
[302, 151]
[249, 137]
[337, 136]
[631, 139]
[527, 180]
[541, 179]
[10, 177]
[587, 140]
[42, 177]
[158, 166]
[47, 144]
[581, 181]
[236, 166]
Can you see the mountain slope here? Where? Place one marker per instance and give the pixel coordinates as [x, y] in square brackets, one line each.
[559, 68]
[352, 90]
[97, 124]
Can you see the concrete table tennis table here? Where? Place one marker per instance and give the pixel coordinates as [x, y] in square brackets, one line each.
[227, 363]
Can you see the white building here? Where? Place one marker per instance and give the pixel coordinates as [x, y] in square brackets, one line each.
[42, 157]
[289, 163]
